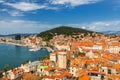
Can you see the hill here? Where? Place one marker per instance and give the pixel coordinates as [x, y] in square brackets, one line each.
[47, 35]
[111, 32]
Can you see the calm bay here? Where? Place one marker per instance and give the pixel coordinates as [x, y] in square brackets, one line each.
[14, 55]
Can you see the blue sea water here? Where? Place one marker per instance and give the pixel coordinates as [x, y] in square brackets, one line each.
[14, 56]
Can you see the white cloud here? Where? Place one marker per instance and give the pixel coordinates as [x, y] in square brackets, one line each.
[27, 6]
[24, 6]
[83, 27]
[22, 26]
[15, 13]
[12, 12]
[1, 1]
[73, 2]
[99, 26]
[19, 8]
[3, 10]
[30, 6]
[105, 26]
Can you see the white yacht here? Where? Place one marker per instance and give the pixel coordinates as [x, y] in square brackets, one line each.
[34, 49]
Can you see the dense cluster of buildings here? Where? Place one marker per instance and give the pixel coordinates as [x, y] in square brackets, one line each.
[77, 57]
[30, 41]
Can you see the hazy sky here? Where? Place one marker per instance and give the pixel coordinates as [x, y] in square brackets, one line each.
[34, 16]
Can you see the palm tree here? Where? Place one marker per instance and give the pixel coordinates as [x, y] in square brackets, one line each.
[6, 68]
[12, 68]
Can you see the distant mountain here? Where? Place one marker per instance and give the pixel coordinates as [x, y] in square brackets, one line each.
[111, 32]
[13, 35]
[66, 30]
[1, 35]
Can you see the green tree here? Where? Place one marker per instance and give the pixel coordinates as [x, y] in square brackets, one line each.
[12, 68]
[45, 57]
[81, 53]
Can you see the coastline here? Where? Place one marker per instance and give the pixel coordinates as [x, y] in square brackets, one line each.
[14, 44]
[15, 56]
[30, 47]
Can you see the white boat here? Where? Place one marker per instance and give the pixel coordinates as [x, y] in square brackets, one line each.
[35, 49]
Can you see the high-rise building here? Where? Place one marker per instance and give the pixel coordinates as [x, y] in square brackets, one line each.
[18, 37]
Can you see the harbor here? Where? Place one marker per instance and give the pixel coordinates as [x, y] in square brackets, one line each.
[14, 55]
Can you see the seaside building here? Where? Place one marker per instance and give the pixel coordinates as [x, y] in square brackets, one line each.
[16, 73]
[30, 66]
